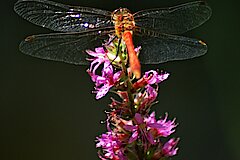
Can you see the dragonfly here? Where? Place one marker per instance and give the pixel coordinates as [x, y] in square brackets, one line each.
[78, 28]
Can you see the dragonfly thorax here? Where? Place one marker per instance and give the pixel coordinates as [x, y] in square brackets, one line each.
[123, 21]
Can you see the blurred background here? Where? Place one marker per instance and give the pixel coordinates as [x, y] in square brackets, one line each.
[47, 111]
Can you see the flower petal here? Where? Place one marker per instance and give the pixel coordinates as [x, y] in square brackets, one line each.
[133, 137]
[102, 91]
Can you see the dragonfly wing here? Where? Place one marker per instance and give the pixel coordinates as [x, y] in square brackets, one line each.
[64, 47]
[161, 48]
[174, 20]
[60, 17]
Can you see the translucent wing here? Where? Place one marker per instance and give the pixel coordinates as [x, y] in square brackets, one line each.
[60, 17]
[65, 47]
[174, 20]
[158, 48]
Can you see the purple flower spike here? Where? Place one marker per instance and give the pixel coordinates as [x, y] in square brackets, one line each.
[132, 132]
[169, 148]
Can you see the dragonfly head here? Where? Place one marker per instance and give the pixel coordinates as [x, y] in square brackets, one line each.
[123, 21]
[120, 11]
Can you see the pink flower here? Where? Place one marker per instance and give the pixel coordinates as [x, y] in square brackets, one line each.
[100, 56]
[151, 94]
[156, 78]
[149, 78]
[149, 89]
[169, 148]
[108, 78]
[111, 146]
[104, 82]
[163, 127]
[139, 128]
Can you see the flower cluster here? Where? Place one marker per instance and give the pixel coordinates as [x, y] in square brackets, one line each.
[139, 136]
[133, 131]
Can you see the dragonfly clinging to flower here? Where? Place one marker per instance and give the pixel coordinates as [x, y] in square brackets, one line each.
[155, 30]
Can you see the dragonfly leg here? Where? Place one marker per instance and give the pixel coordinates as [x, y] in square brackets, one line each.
[118, 49]
[111, 40]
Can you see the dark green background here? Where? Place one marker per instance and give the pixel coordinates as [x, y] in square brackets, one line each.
[47, 111]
